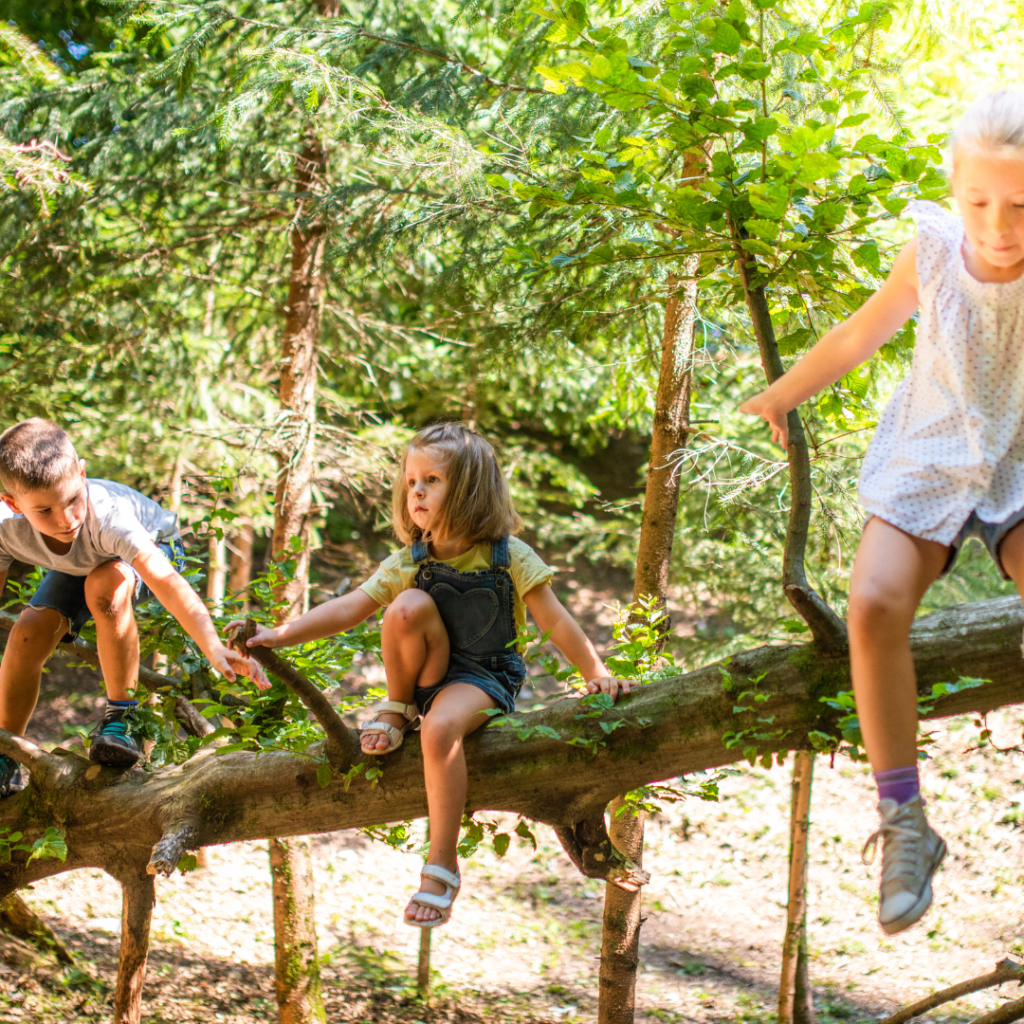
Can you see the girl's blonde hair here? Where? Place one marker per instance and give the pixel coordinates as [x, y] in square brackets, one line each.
[477, 504]
[994, 123]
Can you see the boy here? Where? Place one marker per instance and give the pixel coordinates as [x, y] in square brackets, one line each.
[101, 542]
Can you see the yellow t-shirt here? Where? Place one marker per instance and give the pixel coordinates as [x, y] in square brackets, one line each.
[398, 572]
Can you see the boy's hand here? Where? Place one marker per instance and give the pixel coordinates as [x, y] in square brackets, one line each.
[778, 420]
[609, 685]
[230, 664]
[263, 637]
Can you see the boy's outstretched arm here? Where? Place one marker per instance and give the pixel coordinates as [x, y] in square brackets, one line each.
[187, 607]
[550, 614]
[327, 619]
[846, 346]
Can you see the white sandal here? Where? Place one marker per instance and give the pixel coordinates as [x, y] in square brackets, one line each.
[452, 883]
[394, 733]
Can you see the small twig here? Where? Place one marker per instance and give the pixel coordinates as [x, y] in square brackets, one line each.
[342, 744]
[1006, 970]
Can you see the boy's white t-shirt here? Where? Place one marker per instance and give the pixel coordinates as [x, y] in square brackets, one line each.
[120, 522]
[951, 439]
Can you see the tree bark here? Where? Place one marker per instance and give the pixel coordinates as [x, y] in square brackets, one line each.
[620, 941]
[296, 968]
[796, 1005]
[240, 546]
[216, 572]
[139, 895]
[669, 435]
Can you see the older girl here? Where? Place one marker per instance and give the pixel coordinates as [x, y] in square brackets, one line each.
[456, 595]
[947, 460]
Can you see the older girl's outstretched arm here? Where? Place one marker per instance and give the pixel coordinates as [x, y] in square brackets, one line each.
[551, 615]
[846, 346]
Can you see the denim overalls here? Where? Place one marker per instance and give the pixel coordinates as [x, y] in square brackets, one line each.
[478, 612]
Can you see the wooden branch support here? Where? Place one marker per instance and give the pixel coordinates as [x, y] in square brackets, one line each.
[1004, 1014]
[1005, 970]
[342, 743]
[139, 895]
[594, 855]
[790, 1011]
[175, 843]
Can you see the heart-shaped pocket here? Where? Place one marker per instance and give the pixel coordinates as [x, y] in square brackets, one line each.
[467, 615]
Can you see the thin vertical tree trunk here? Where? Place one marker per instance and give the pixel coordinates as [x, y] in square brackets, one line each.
[297, 969]
[240, 563]
[620, 939]
[138, 897]
[796, 1005]
[216, 572]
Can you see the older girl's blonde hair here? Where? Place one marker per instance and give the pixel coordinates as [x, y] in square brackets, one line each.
[995, 123]
[477, 503]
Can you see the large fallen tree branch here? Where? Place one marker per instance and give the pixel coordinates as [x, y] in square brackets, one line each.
[114, 819]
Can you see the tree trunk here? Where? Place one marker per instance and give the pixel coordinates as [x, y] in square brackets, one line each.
[654, 556]
[620, 940]
[796, 1004]
[216, 572]
[240, 546]
[297, 969]
[139, 895]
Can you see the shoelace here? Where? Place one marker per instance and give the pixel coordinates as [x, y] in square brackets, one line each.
[896, 856]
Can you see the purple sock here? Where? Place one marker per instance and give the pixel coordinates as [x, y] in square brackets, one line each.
[899, 784]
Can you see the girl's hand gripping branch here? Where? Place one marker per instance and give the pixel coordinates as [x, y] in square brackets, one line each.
[553, 618]
[843, 348]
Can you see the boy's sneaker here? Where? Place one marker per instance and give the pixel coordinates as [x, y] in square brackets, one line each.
[112, 741]
[10, 776]
[911, 854]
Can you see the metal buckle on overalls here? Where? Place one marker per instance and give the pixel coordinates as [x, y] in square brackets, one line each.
[427, 574]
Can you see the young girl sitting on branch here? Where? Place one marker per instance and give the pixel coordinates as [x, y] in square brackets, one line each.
[456, 596]
[946, 462]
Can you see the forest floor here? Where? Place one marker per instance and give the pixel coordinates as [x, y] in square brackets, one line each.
[522, 945]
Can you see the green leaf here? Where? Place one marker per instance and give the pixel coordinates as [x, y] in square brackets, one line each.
[726, 39]
[523, 831]
[51, 845]
[501, 843]
[188, 863]
[816, 166]
[323, 775]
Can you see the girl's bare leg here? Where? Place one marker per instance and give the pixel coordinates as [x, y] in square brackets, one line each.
[414, 648]
[1011, 553]
[454, 713]
[891, 573]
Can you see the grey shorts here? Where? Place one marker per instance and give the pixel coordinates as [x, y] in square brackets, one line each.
[66, 594]
[990, 534]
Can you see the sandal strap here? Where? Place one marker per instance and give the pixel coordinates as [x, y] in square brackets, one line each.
[431, 899]
[394, 707]
[393, 733]
[442, 875]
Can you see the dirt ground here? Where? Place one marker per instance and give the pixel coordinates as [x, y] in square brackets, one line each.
[524, 938]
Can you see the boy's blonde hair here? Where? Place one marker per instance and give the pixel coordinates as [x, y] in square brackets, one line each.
[994, 123]
[35, 455]
[477, 504]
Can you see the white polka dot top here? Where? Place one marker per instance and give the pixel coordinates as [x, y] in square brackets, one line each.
[951, 439]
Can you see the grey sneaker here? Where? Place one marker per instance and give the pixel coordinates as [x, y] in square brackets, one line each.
[911, 854]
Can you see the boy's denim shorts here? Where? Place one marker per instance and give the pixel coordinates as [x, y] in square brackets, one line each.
[990, 534]
[66, 594]
[500, 677]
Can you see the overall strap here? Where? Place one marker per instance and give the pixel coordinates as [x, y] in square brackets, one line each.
[419, 551]
[499, 554]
